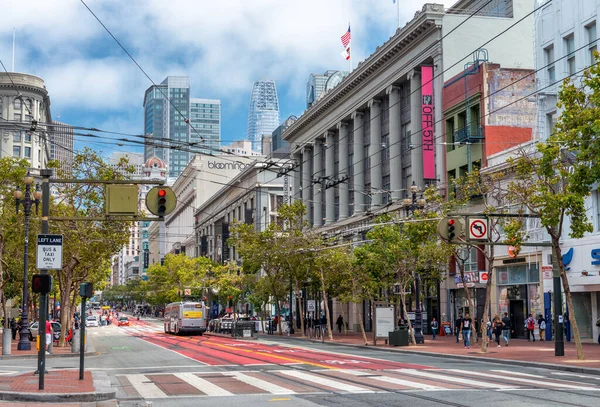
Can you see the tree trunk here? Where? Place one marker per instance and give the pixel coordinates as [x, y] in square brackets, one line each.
[263, 312]
[373, 327]
[278, 313]
[362, 327]
[300, 309]
[461, 268]
[410, 330]
[488, 296]
[326, 303]
[567, 289]
[6, 322]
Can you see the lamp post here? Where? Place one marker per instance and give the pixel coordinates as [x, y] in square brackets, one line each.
[411, 205]
[27, 202]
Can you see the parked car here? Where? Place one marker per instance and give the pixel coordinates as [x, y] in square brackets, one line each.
[226, 324]
[91, 320]
[123, 321]
[34, 328]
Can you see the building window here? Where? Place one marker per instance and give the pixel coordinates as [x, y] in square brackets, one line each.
[570, 53]
[27, 137]
[17, 137]
[16, 151]
[549, 53]
[551, 119]
[591, 36]
[27, 152]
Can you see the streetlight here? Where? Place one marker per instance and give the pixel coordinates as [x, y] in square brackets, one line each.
[411, 205]
[24, 343]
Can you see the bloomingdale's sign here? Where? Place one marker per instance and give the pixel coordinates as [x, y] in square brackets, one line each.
[237, 165]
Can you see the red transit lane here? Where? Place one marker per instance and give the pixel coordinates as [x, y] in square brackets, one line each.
[217, 351]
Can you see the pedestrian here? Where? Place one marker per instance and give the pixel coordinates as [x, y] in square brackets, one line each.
[48, 335]
[457, 326]
[466, 326]
[488, 330]
[498, 328]
[340, 323]
[434, 328]
[506, 328]
[542, 326]
[530, 325]
[13, 328]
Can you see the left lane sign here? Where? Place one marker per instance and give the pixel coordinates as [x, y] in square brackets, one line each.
[49, 252]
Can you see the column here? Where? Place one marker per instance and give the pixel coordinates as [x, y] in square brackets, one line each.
[375, 154]
[359, 155]
[305, 160]
[395, 140]
[440, 150]
[329, 173]
[318, 186]
[416, 152]
[343, 168]
[295, 174]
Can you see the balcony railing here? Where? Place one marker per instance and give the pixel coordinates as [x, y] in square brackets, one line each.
[468, 134]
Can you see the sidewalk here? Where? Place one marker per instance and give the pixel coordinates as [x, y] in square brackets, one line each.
[519, 351]
[57, 351]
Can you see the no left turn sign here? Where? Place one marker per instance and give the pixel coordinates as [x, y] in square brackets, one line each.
[478, 229]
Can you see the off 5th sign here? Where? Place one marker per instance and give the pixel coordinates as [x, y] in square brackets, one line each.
[49, 252]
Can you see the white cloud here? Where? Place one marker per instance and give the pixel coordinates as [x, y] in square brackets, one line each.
[223, 46]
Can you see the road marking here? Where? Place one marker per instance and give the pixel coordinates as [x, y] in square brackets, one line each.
[204, 386]
[412, 372]
[259, 383]
[145, 388]
[325, 382]
[518, 373]
[393, 380]
[518, 379]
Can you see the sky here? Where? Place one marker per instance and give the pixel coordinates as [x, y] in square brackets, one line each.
[223, 46]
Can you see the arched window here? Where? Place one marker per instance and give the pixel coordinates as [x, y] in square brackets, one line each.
[17, 110]
[1, 115]
[28, 110]
[17, 103]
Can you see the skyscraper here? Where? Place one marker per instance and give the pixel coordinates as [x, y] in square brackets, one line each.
[263, 114]
[318, 84]
[205, 118]
[165, 123]
[61, 145]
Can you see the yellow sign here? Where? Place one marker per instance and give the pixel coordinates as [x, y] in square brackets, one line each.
[192, 314]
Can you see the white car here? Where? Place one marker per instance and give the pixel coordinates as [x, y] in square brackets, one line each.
[91, 321]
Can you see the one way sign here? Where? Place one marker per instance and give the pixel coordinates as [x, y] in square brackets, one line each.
[49, 252]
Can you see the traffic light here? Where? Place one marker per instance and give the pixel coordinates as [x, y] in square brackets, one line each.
[41, 283]
[451, 229]
[162, 202]
[86, 290]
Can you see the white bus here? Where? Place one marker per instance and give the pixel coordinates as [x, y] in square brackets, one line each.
[185, 317]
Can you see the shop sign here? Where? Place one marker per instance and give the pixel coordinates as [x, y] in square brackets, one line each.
[469, 285]
[483, 276]
[470, 277]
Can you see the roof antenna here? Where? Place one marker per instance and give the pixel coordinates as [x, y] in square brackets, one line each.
[13, 53]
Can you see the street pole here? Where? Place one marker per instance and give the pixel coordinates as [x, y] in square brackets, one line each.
[46, 174]
[559, 344]
[82, 338]
[24, 343]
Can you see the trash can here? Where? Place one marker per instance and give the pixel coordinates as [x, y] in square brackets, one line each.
[399, 337]
[243, 329]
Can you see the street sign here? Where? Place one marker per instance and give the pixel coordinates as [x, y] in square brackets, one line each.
[547, 272]
[483, 276]
[49, 252]
[187, 291]
[478, 229]
[311, 306]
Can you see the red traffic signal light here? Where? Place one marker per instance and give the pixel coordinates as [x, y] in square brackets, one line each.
[41, 283]
[451, 228]
[162, 202]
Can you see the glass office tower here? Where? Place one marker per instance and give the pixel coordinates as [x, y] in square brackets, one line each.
[263, 114]
[205, 118]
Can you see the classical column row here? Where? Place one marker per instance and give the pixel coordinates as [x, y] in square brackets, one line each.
[312, 185]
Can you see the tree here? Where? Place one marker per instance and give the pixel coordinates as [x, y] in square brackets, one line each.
[87, 246]
[554, 181]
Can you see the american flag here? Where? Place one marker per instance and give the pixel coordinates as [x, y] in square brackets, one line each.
[346, 38]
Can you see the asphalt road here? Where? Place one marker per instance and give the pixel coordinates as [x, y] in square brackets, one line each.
[144, 364]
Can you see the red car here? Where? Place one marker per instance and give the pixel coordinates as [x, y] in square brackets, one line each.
[123, 321]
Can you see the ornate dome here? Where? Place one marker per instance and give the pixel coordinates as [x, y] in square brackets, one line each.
[155, 162]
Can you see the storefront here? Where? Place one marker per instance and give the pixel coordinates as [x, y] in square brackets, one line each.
[519, 293]
[459, 300]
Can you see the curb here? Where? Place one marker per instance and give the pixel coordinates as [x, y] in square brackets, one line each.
[564, 368]
[253, 338]
[51, 356]
[103, 392]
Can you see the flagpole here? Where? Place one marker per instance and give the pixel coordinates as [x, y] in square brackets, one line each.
[350, 59]
[398, 4]
[12, 69]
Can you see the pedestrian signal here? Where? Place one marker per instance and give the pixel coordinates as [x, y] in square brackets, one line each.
[41, 283]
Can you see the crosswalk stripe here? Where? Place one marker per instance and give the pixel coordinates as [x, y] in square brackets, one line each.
[203, 385]
[522, 380]
[394, 380]
[259, 383]
[412, 372]
[517, 373]
[576, 375]
[325, 382]
[146, 389]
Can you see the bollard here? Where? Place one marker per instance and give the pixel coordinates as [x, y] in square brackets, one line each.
[75, 341]
[6, 341]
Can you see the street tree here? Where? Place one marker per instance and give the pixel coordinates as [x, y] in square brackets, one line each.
[554, 181]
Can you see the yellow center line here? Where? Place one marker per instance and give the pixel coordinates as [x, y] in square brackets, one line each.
[275, 356]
